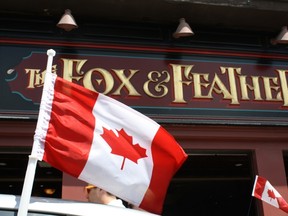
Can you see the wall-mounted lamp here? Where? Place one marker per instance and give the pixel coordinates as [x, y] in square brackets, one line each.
[282, 38]
[183, 29]
[67, 21]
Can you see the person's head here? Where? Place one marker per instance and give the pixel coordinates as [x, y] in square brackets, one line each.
[97, 195]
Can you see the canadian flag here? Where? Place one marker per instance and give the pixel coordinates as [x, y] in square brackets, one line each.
[263, 190]
[106, 143]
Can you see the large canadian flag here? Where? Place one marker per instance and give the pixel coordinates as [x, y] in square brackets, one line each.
[263, 190]
[106, 143]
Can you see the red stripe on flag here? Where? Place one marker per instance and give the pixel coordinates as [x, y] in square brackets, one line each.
[71, 126]
[283, 205]
[259, 187]
[168, 158]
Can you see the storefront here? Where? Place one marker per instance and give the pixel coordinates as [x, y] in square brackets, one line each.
[225, 104]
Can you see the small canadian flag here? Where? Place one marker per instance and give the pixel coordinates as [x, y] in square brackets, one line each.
[263, 190]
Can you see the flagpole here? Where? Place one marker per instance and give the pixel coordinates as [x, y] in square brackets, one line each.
[32, 162]
[27, 187]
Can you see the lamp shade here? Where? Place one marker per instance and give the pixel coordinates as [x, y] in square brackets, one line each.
[183, 29]
[282, 37]
[67, 21]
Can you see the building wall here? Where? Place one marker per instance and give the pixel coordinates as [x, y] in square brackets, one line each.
[266, 141]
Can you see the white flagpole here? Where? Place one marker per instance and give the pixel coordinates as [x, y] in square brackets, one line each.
[32, 162]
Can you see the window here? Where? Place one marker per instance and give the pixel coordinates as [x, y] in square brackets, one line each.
[217, 183]
[13, 165]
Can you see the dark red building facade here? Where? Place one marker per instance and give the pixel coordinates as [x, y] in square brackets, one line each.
[223, 96]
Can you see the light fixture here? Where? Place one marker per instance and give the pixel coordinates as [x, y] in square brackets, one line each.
[282, 38]
[183, 29]
[67, 21]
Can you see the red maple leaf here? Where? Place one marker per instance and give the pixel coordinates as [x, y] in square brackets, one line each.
[271, 194]
[123, 145]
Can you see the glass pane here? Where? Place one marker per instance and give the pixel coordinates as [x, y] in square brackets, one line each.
[13, 165]
[217, 183]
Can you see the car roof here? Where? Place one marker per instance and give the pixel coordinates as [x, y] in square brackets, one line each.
[60, 206]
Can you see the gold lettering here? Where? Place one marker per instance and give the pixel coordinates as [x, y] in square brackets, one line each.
[284, 87]
[39, 79]
[153, 77]
[268, 88]
[221, 89]
[107, 77]
[254, 87]
[198, 85]
[126, 82]
[68, 69]
[232, 82]
[102, 80]
[32, 74]
[178, 71]
[36, 77]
